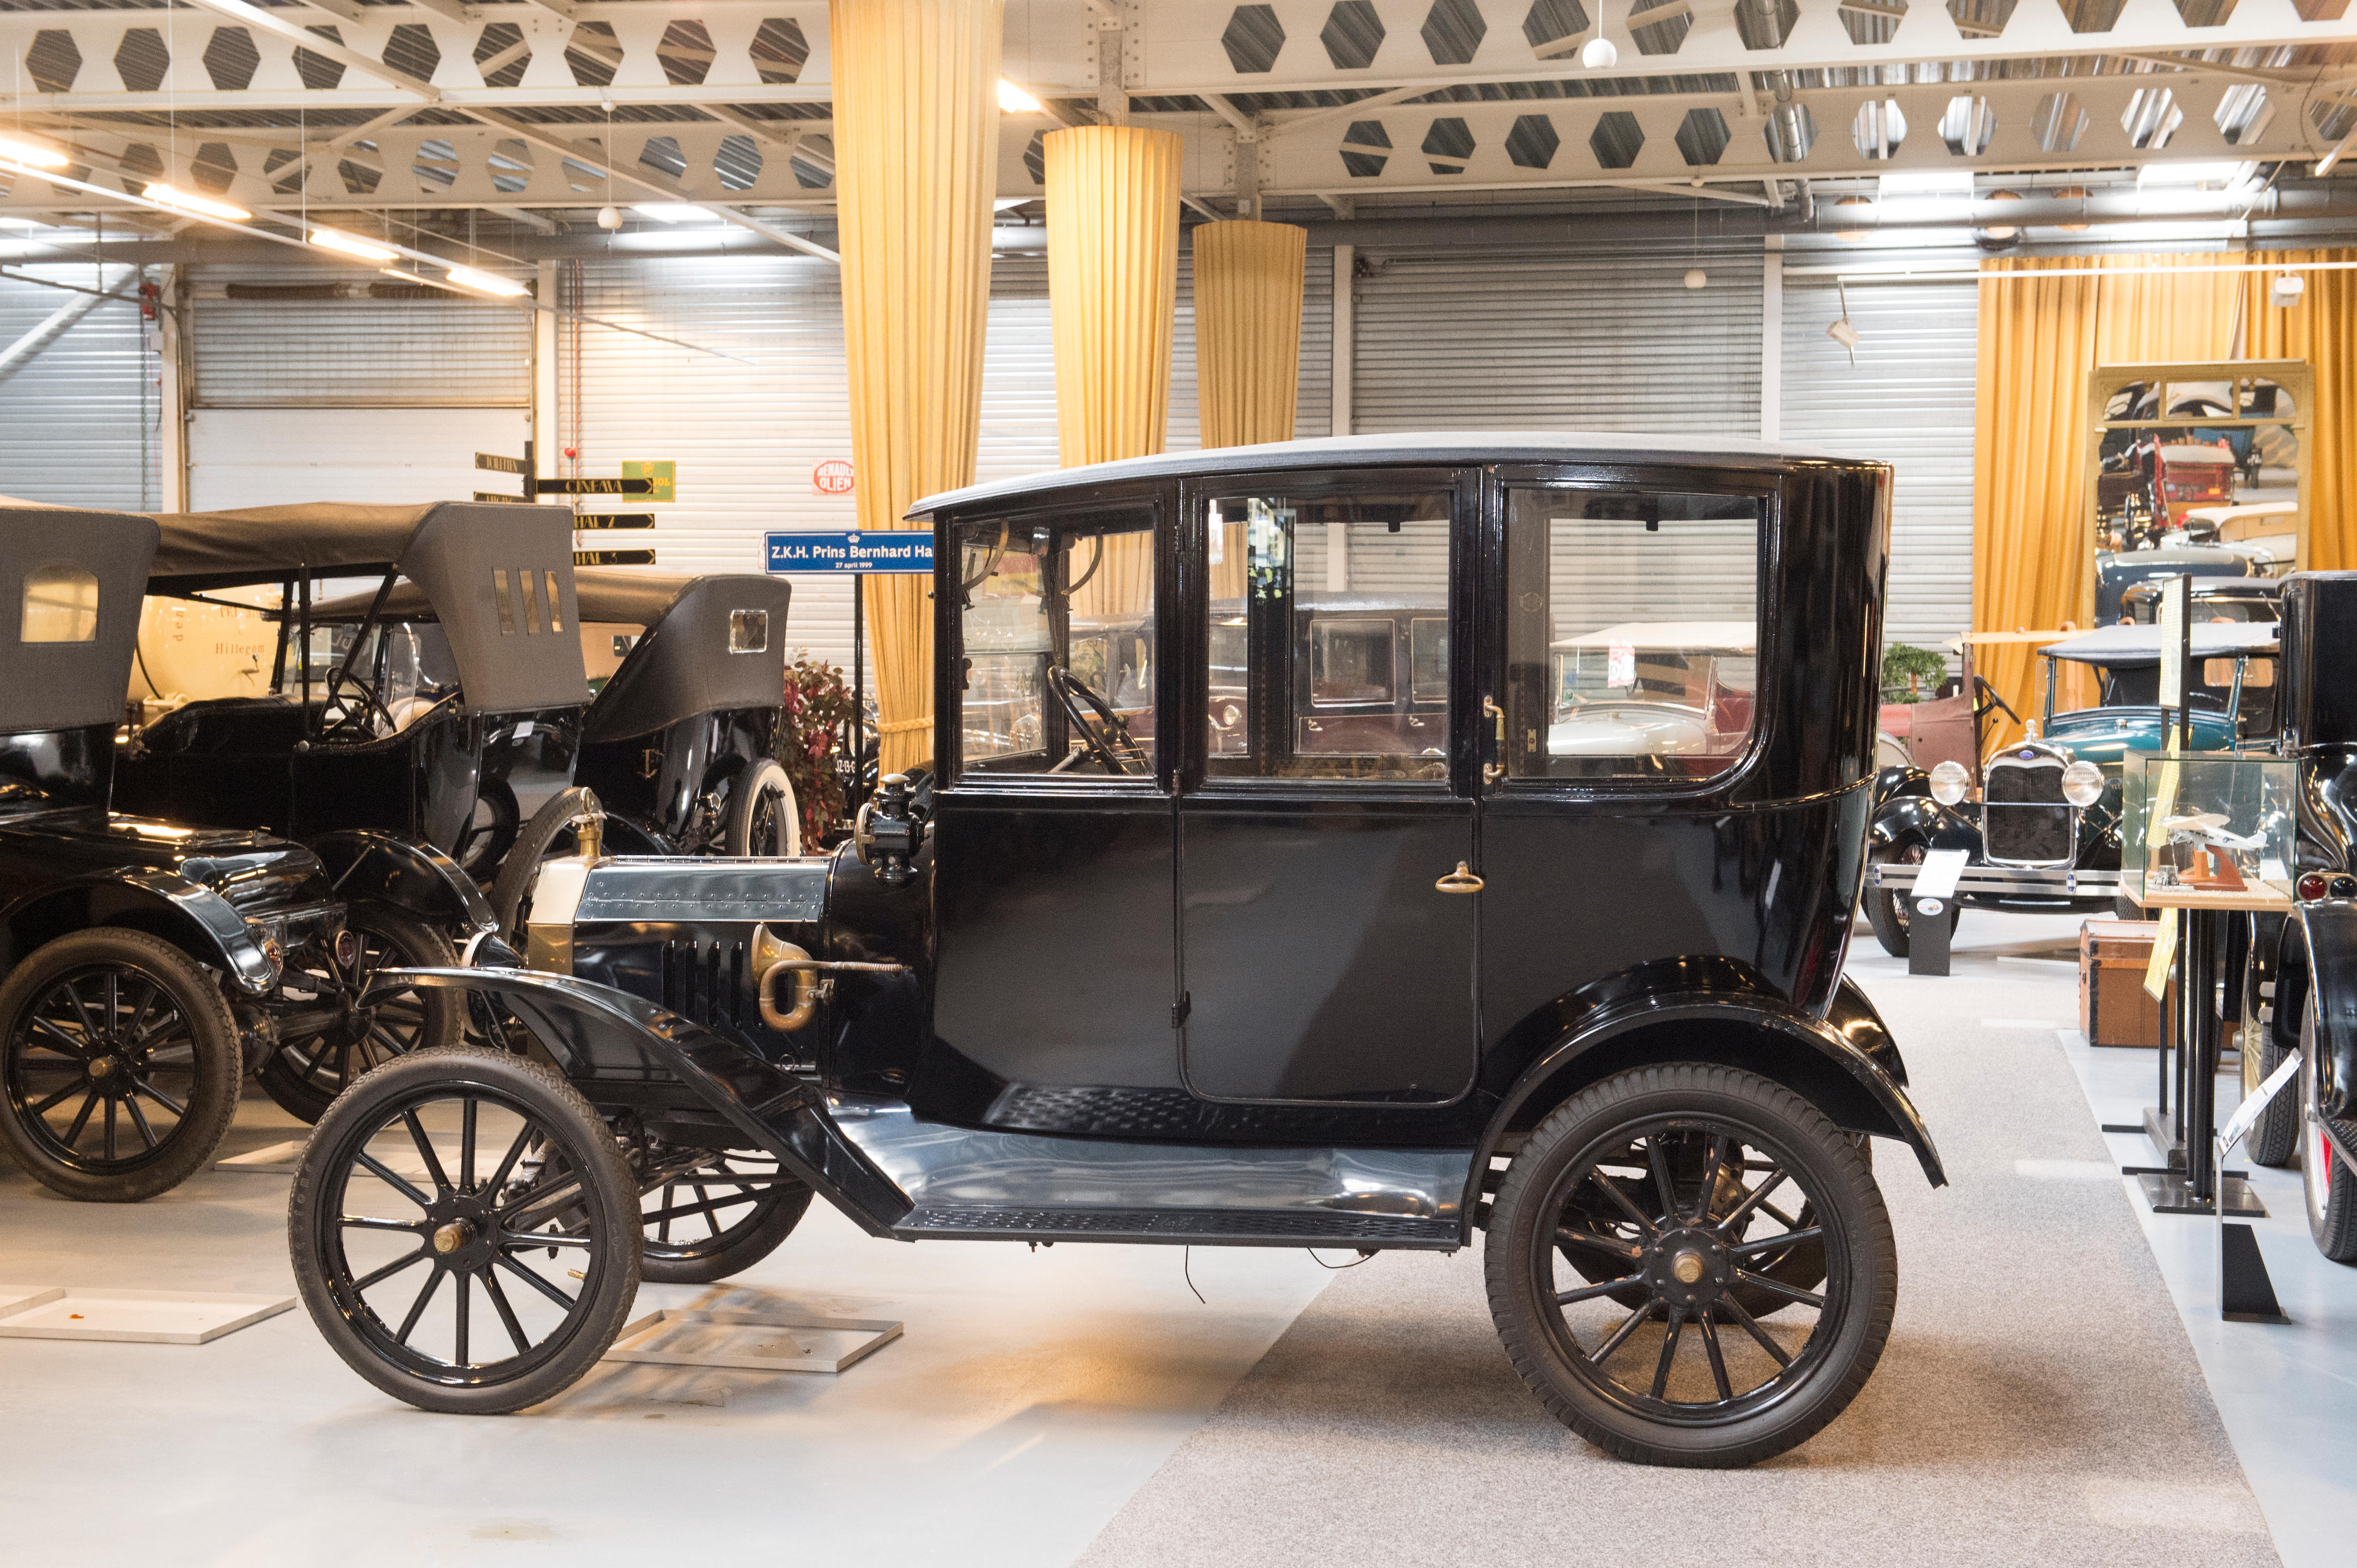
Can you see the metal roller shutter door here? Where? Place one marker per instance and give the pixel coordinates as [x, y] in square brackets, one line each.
[1565, 339]
[78, 423]
[746, 437]
[1908, 401]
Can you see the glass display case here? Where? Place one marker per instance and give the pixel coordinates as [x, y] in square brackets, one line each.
[2207, 830]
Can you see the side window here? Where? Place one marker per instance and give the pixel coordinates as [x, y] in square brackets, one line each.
[60, 605]
[1055, 644]
[1632, 632]
[1328, 638]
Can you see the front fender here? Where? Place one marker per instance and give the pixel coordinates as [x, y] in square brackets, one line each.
[414, 876]
[1832, 1062]
[188, 915]
[594, 1031]
[1919, 819]
[2328, 933]
[1893, 782]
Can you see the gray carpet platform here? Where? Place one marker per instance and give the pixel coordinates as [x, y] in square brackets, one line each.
[2039, 1403]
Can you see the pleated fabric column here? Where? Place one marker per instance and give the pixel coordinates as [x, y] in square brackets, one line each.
[1112, 299]
[1248, 329]
[2322, 330]
[1247, 352]
[916, 147]
[1112, 287]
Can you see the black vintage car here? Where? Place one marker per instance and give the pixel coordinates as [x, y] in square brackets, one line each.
[679, 741]
[2041, 824]
[434, 746]
[145, 961]
[1323, 989]
[2297, 990]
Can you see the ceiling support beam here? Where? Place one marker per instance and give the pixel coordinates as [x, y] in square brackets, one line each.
[28, 348]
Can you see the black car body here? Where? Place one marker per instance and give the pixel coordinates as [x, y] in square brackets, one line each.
[1088, 981]
[679, 739]
[207, 924]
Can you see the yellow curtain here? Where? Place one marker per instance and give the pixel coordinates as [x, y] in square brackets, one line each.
[1248, 282]
[2033, 546]
[2032, 564]
[1248, 329]
[2322, 330]
[1113, 292]
[915, 85]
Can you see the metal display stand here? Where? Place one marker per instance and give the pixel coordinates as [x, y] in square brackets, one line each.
[1929, 930]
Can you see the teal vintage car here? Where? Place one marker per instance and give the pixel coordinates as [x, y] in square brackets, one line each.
[2041, 825]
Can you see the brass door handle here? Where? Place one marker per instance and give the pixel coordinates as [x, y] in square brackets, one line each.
[1460, 880]
[1495, 768]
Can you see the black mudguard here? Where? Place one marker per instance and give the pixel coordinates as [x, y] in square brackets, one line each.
[2329, 932]
[594, 1030]
[412, 875]
[187, 914]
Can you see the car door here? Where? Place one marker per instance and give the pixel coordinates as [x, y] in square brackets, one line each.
[1327, 936]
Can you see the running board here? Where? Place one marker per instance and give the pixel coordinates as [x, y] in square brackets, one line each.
[1208, 1227]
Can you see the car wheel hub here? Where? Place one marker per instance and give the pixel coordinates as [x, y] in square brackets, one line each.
[1689, 1267]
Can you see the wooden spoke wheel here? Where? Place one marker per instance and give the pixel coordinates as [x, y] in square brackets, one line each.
[763, 819]
[1706, 1192]
[119, 1063]
[718, 1217]
[309, 1069]
[465, 1231]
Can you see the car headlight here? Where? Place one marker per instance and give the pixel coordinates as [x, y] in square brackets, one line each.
[2083, 783]
[1950, 781]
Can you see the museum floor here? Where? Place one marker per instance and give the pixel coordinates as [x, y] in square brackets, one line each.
[2056, 1390]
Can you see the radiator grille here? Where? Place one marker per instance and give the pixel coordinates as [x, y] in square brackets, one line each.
[705, 981]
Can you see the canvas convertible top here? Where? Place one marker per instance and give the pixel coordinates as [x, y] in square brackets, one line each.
[711, 643]
[499, 578]
[2131, 647]
[71, 622]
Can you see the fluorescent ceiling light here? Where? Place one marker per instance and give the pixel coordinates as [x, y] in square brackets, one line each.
[24, 150]
[486, 283]
[674, 212]
[351, 245]
[2195, 174]
[1013, 99]
[201, 206]
[1927, 182]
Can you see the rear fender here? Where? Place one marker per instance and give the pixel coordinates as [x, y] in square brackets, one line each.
[414, 876]
[1837, 1063]
[2328, 937]
[192, 917]
[594, 1031]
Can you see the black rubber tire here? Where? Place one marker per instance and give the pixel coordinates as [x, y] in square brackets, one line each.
[737, 1247]
[295, 1075]
[2328, 1182]
[2274, 1139]
[216, 1069]
[608, 1214]
[511, 891]
[762, 795]
[1883, 911]
[1865, 1254]
[483, 844]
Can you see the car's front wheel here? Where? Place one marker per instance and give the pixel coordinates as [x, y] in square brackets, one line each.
[2275, 1136]
[1669, 1362]
[2330, 1184]
[1889, 910]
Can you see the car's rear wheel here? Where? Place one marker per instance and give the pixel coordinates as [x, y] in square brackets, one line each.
[465, 1231]
[119, 1066]
[1889, 910]
[2274, 1137]
[1689, 1375]
[307, 1072]
[763, 819]
[550, 833]
[718, 1217]
[2329, 1181]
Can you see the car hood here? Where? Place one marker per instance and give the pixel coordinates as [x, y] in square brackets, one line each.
[253, 871]
[2101, 736]
[1617, 729]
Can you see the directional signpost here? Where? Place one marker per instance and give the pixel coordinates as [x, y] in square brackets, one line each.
[643, 481]
[858, 551]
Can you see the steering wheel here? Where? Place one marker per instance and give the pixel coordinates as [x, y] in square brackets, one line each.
[1104, 732]
[1981, 710]
[344, 714]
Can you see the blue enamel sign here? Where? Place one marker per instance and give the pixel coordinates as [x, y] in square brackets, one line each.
[856, 550]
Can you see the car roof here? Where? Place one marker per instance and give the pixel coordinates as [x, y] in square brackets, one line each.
[1450, 447]
[1697, 636]
[2125, 646]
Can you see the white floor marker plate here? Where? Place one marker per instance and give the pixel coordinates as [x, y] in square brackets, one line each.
[752, 1341]
[138, 1317]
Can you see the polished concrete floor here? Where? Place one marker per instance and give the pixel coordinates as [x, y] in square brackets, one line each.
[1033, 1397]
